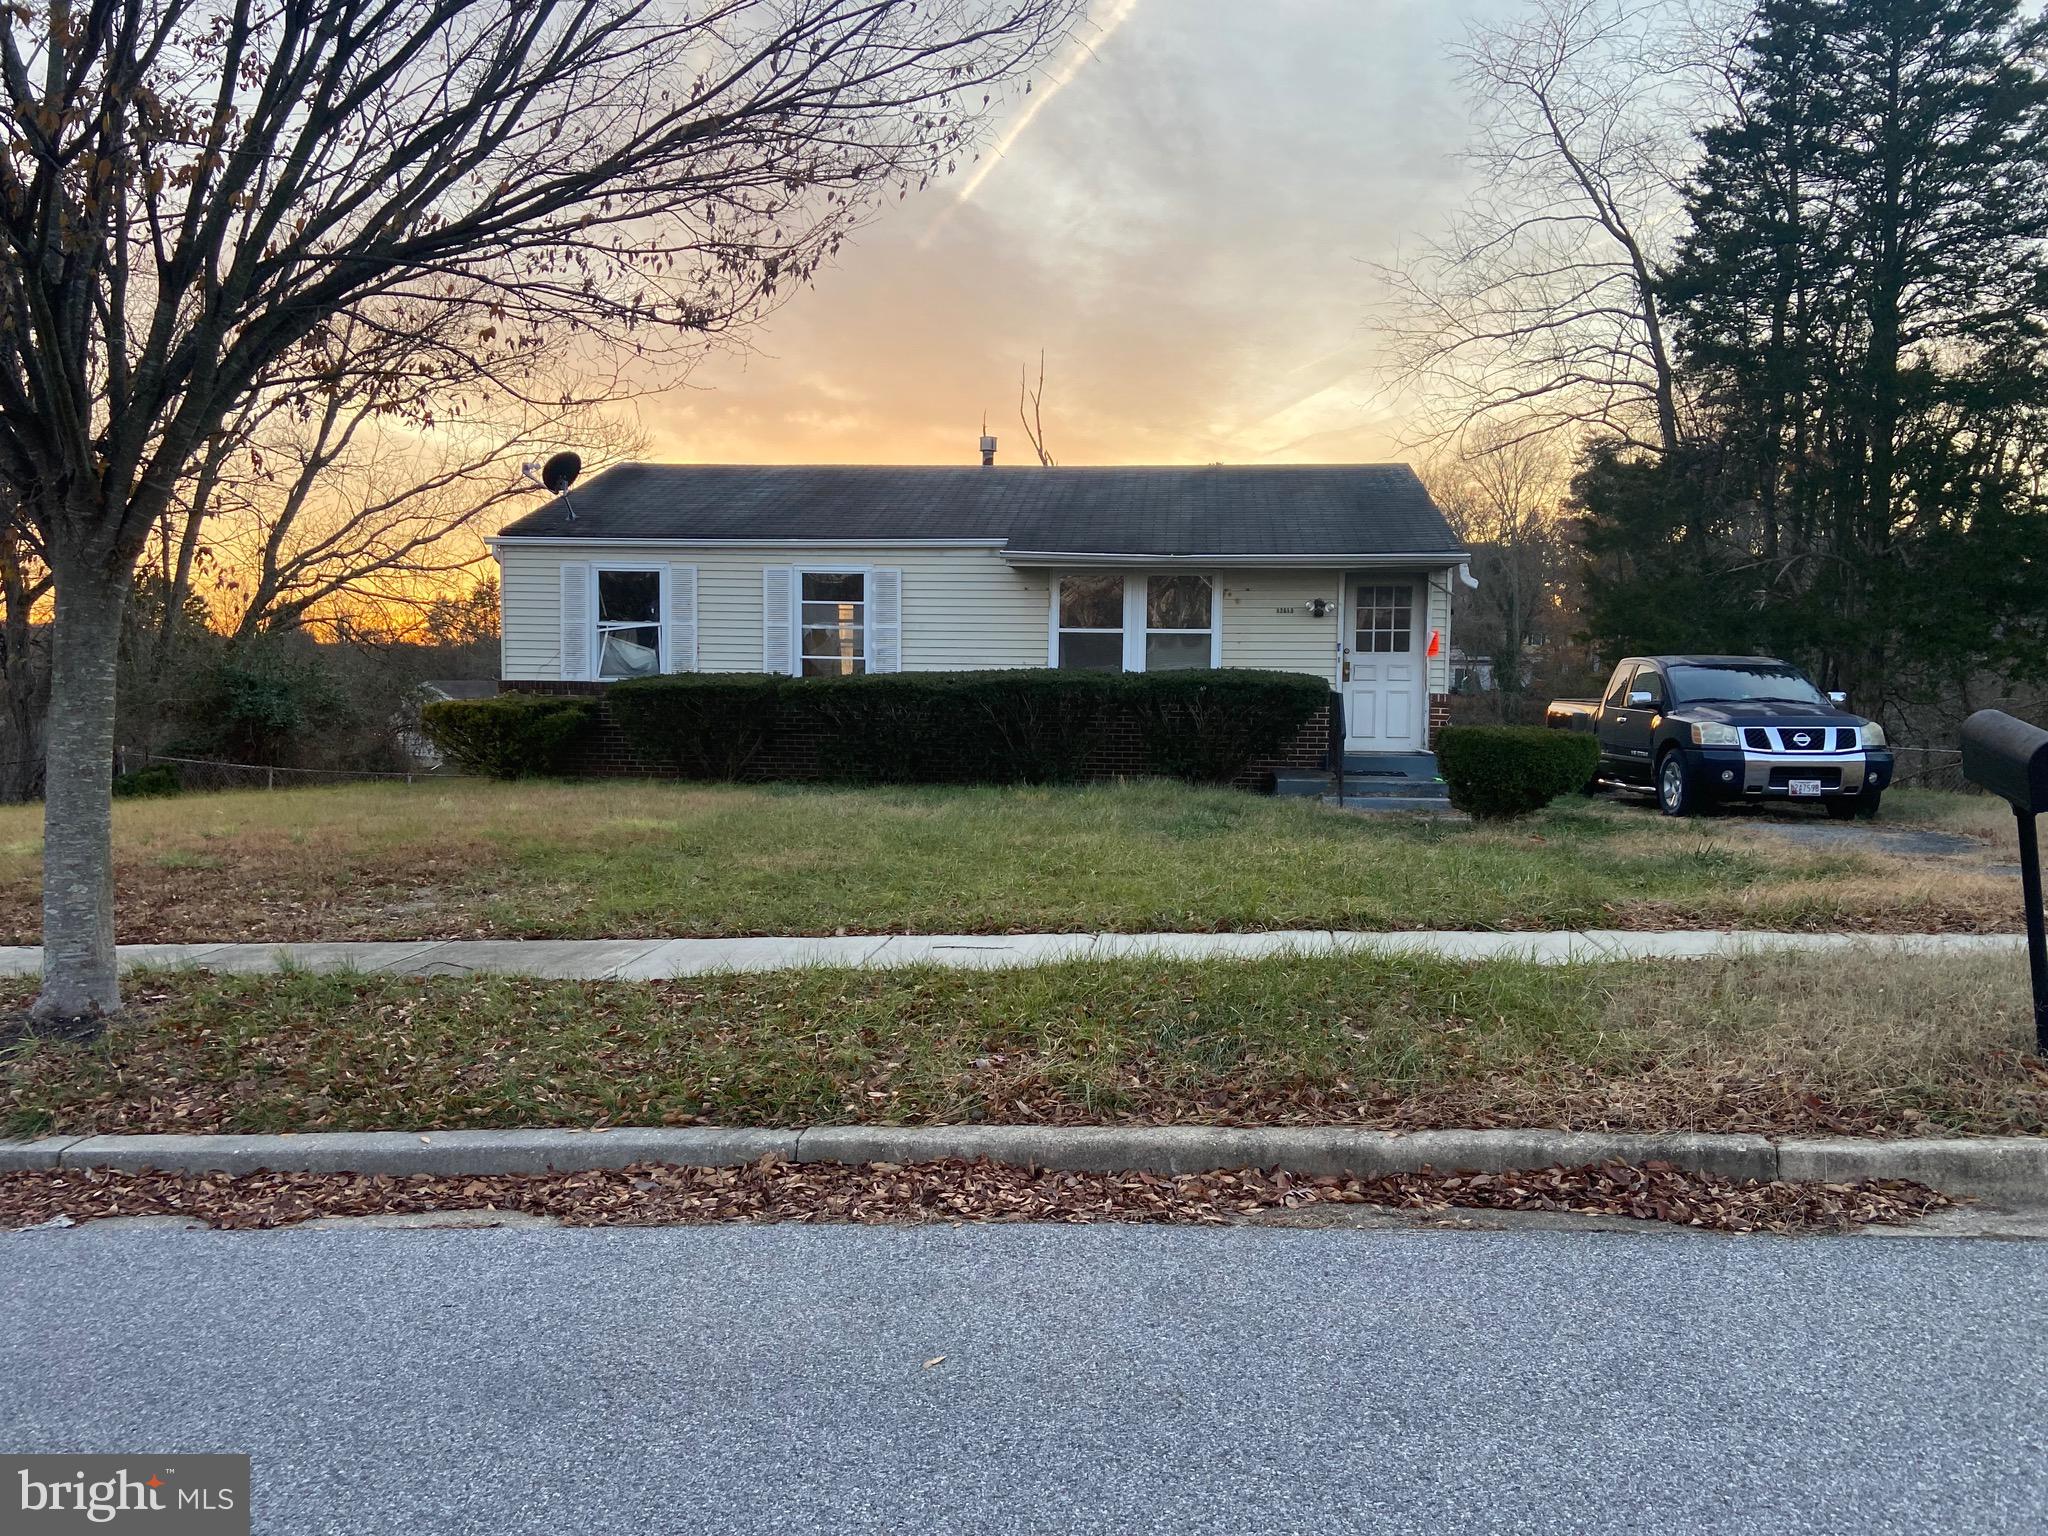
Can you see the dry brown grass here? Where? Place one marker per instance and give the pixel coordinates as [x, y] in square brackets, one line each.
[1775, 1044]
[627, 859]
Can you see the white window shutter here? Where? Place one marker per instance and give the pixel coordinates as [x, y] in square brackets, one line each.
[777, 621]
[679, 634]
[885, 620]
[576, 622]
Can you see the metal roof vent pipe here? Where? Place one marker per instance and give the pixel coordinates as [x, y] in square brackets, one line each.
[988, 450]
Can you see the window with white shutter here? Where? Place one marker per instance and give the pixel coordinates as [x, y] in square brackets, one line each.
[832, 622]
[629, 613]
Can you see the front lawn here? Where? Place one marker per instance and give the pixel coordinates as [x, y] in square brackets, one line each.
[1776, 1045]
[462, 858]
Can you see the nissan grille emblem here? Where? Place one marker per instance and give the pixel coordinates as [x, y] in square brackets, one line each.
[1801, 739]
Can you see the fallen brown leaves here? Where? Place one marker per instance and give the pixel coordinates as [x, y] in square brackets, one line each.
[776, 1191]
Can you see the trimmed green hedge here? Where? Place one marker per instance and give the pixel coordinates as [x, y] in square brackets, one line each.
[1208, 725]
[707, 725]
[1031, 725]
[510, 735]
[1496, 772]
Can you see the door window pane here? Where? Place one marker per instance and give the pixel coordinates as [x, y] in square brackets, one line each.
[1384, 617]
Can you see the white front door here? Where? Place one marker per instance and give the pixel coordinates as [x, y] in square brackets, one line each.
[1383, 663]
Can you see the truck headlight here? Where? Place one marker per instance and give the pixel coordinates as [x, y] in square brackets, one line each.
[1873, 735]
[1715, 736]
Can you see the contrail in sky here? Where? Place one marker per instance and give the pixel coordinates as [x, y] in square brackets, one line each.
[1119, 13]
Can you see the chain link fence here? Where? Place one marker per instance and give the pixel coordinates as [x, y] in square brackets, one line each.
[1930, 768]
[198, 773]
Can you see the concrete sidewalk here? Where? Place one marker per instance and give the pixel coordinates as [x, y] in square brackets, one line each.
[657, 959]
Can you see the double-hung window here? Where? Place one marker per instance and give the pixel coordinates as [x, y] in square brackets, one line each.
[628, 623]
[1091, 623]
[833, 629]
[1180, 621]
[1106, 621]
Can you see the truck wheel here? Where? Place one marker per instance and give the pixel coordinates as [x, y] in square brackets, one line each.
[1674, 794]
[1868, 802]
[1841, 808]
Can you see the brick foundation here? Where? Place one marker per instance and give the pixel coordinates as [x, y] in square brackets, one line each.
[793, 755]
[1439, 715]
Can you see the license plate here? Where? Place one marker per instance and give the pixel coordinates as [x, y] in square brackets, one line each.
[1802, 788]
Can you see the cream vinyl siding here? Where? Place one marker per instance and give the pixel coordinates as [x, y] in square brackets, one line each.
[1256, 634]
[1438, 618]
[962, 608]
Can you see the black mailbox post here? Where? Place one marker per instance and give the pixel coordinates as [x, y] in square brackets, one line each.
[2010, 758]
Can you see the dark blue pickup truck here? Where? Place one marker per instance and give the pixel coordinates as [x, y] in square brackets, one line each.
[1706, 729]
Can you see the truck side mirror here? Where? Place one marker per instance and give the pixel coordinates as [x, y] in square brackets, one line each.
[1640, 698]
[1836, 696]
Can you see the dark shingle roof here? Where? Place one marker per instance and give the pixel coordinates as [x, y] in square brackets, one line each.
[1354, 509]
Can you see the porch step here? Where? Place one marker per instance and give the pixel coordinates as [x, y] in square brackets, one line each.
[1432, 805]
[1390, 765]
[1303, 785]
[1357, 788]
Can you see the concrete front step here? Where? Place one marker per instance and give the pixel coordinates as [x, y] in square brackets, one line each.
[1302, 785]
[1420, 789]
[1433, 805]
[1392, 765]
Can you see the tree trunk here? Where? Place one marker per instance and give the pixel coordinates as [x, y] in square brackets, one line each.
[79, 980]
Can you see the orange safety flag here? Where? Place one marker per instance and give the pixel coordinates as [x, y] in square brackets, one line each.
[1436, 641]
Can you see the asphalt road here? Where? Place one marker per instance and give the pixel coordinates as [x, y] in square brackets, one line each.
[1116, 1379]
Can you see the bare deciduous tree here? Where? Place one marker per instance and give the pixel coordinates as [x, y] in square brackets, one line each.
[1031, 412]
[1504, 491]
[190, 190]
[1538, 304]
[356, 489]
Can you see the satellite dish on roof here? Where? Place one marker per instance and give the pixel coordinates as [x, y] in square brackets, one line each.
[560, 472]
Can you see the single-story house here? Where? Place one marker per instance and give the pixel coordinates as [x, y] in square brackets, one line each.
[1342, 571]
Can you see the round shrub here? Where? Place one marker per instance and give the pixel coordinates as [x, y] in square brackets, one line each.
[708, 725]
[511, 735]
[1496, 772]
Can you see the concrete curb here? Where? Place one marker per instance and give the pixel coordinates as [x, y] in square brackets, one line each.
[666, 959]
[2013, 1169]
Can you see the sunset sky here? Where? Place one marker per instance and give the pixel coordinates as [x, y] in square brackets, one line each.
[1187, 228]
